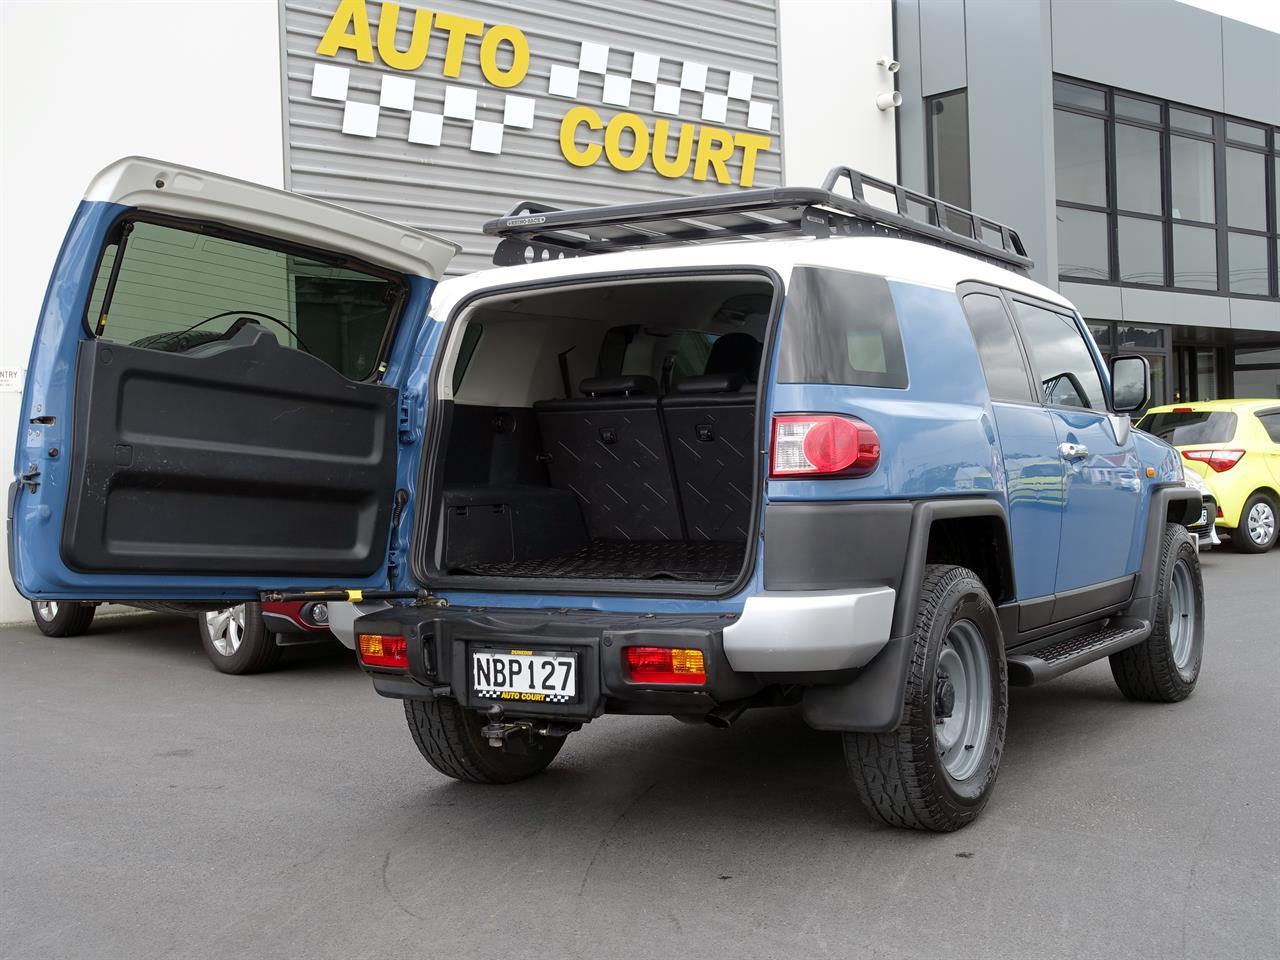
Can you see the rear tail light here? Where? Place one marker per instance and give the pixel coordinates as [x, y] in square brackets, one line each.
[665, 665]
[377, 650]
[1219, 460]
[822, 445]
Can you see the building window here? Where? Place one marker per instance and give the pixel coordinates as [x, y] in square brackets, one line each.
[948, 152]
[1151, 193]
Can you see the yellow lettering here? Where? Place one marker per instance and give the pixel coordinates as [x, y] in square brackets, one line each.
[579, 156]
[349, 13]
[750, 144]
[388, 23]
[459, 29]
[715, 146]
[684, 149]
[626, 162]
[498, 34]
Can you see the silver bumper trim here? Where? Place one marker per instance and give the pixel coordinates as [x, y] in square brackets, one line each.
[795, 631]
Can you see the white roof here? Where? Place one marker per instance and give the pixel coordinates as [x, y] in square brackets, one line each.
[905, 260]
[186, 192]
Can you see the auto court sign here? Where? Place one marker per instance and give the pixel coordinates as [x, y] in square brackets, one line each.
[635, 126]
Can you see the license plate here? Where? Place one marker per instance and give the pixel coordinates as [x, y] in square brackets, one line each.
[1204, 517]
[545, 677]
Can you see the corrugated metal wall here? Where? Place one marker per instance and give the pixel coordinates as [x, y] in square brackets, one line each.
[388, 162]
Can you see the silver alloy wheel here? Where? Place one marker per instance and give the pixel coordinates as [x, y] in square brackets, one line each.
[47, 609]
[1261, 523]
[226, 629]
[961, 733]
[1182, 616]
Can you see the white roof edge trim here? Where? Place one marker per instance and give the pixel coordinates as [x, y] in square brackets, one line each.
[181, 191]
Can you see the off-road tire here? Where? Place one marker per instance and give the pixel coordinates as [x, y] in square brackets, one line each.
[899, 776]
[1240, 539]
[69, 619]
[449, 738]
[258, 650]
[1149, 671]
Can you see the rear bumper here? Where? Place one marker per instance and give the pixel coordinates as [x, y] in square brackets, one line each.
[802, 631]
[811, 637]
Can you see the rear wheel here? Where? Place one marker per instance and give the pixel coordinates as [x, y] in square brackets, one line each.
[1259, 526]
[936, 771]
[62, 618]
[1165, 667]
[236, 641]
[449, 737]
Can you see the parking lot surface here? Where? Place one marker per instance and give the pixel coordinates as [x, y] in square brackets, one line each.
[151, 807]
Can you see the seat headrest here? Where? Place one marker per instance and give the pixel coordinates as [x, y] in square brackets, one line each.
[628, 385]
[710, 383]
[735, 353]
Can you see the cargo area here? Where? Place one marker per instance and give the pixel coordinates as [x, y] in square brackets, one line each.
[603, 432]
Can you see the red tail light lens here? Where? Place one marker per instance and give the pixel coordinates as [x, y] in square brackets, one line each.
[1220, 460]
[377, 650]
[822, 445]
[665, 665]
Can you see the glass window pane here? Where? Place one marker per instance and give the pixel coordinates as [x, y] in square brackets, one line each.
[1257, 384]
[1275, 169]
[1195, 257]
[1191, 171]
[1246, 189]
[1257, 355]
[1079, 157]
[1186, 120]
[949, 154]
[1245, 133]
[1247, 263]
[1137, 169]
[1082, 244]
[1101, 333]
[1141, 251]
[1137, 109]
[1060, 357]
[1079, 96]
[997, 348]
[1150, 338]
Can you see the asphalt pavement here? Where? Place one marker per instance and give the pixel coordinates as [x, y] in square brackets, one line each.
[151, 807]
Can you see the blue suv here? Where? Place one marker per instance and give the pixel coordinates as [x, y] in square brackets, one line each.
[688, 457]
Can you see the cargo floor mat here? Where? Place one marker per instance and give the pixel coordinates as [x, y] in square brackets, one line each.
[627, 560]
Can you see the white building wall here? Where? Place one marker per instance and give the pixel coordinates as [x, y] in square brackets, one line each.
[84, 83]
[830, 80]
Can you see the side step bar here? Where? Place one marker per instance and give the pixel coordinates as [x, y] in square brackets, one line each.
[1057, 657]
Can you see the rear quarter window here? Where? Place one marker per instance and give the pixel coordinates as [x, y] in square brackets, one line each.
[840, 327]
[1190, 426]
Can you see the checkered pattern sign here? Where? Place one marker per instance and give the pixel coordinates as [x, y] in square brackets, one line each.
[399, 95]
[642, 88]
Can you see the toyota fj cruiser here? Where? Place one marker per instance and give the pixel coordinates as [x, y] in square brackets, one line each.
[688, 457]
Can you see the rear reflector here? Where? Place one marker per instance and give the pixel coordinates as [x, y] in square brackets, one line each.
[822, 445]
[1220, 460]
[665, 665]
[377, 650]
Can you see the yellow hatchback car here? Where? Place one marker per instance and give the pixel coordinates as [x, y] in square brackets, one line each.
[1235, 446]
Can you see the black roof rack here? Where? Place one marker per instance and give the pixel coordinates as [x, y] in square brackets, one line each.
[534, 231]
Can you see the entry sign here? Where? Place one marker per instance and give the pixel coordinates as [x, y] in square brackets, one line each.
[11, 379]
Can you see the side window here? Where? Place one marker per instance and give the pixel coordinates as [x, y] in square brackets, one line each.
[840, 327]
[1271, 423]
[998, 348]
[172, 288]
[1061, 358]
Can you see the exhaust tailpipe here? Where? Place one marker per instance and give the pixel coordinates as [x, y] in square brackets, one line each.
[723, 716]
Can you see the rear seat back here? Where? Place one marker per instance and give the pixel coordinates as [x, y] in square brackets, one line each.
[608, 448]
[710, 425]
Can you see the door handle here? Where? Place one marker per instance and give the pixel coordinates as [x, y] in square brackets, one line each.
[1073, 451]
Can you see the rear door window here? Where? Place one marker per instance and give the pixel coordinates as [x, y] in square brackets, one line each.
[1061, 358]
[1002, 359]
[1182, 427]
[840, 327]
[1271, 423]
[176, 286]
